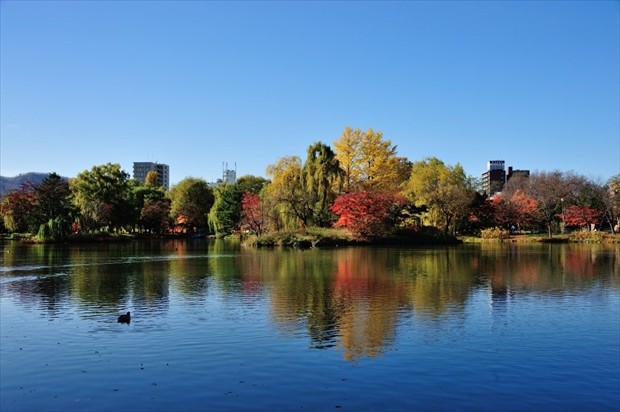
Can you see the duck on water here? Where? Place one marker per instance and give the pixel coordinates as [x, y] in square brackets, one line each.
[125, 318]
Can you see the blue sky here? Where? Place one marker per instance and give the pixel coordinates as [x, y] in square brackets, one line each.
[195, 84]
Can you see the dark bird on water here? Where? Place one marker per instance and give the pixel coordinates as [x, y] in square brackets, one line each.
[125, 318]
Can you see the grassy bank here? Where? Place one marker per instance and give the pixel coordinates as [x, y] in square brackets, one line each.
[102, 237]
[575, 237]
[327, 237]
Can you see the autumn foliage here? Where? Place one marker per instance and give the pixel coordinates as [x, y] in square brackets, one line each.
[252, 216]
[372, 215]
[581, 216]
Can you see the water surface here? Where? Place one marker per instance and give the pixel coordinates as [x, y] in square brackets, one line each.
[219, 327]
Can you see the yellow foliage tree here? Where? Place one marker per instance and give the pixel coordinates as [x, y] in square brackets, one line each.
[370, 162]
[152, 177]
[286, 193]
[446, 191]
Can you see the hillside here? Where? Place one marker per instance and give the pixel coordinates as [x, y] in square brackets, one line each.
[9, 183]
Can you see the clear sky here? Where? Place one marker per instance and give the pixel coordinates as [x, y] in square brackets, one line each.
[195, 84]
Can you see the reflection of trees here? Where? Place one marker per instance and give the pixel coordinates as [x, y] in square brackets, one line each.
[357, 293]
[351, 297]
[118, 275]
[189, 272]
[301, 291]
[371, 296]
[548, 267]
[50, 289]
[440, 279]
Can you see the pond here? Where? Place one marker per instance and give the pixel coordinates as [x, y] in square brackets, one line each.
[215, 326]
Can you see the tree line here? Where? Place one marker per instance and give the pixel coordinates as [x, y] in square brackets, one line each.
[360, 184]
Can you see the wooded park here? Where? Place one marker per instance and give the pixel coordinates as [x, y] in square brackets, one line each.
[360, 186]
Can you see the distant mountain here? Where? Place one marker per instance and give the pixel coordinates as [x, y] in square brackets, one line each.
[9, 183]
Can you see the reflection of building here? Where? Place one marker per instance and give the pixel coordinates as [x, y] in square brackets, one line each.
[141, 169]
[495, 177]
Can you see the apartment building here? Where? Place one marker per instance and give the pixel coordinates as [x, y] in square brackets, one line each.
[140, 170]
[495, 177]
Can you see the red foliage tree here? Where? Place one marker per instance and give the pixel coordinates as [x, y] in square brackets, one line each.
[19, 209]
[252, 214]
[372, 215]
[581, 216]
[525, 209]
[504, 211]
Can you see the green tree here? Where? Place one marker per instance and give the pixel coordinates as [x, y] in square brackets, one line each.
[250, 184]
[321, 178]
[54, 208]
[155, 215]
[225, 215]
[192, 199]
[102, 196]
[54, 198]
[143, 195]
[446, 192]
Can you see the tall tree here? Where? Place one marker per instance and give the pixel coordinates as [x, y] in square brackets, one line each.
[587, 204]
[286, 192]
[369, 162]
[54, 208]
[348, 152]
[321, 179]
[102, 196]
[525, 208]
[155, 215]
[192, 199]
[610, 194]
[225, 215]
[143, 195]
[253, 214]
[19, 209]
[152, 178]
[54, 198]
[446, 191]
[551, 190]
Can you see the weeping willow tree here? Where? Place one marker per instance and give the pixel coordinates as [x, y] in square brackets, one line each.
[301, 195]
[289, 205]
[322, 180]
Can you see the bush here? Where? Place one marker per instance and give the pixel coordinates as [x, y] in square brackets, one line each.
[494, 233]
[586, 236]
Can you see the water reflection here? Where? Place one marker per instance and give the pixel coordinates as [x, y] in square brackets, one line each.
[352, 298]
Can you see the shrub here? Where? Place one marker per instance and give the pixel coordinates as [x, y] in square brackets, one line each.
[586, 236]
[495, 233]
